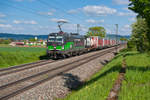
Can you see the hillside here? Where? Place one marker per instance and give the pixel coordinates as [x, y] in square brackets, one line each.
[21, 36]
[44, 37]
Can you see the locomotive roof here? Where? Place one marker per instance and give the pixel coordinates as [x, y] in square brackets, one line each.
[76, 35]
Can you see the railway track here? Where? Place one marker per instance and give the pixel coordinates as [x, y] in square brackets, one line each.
[11, 89]
[18, 74]
[15, 69]
[19, 86]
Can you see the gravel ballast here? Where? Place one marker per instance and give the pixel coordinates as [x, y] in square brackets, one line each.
[60, 86]
[29, 72]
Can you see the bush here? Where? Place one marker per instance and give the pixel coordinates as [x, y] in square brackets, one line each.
[131, 45]
[5, 41]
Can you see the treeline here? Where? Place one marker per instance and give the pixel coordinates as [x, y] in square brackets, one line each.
[140, 38]
[9, 40]
[6, 41]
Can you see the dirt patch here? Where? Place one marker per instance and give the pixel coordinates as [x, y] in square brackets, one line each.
[113, 95]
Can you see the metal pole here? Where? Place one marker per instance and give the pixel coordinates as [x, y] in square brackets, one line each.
[116, 38]
[78, 26]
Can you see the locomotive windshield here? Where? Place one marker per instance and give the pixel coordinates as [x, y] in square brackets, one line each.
[51, 39]
[59, 39]
[55, 39]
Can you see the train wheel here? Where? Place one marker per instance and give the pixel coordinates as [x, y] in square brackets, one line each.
[55, 57]
[67, 56]
[63, 56]
[71, 54]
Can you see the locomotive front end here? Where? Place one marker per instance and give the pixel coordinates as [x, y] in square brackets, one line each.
[55, 44]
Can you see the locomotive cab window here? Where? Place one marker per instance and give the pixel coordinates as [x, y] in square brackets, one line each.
[59, 39]
[51, 39]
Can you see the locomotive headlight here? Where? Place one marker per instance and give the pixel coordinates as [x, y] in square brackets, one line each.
[62, 47]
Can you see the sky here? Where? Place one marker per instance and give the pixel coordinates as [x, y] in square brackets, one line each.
[39, 17]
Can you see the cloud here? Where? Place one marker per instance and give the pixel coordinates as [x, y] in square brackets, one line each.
[92, 21]
[127, 26]
[126, 14]
[5, 26]
[74, 11]
[47, 13]
[56, 20]
[30, 22]
[2, 15]
[125, 30]
[94, 10]
[24, 22]
[8, 27]
[133, 19]
[121, 2]
[126, 8]
[98, 10]
[17, 22]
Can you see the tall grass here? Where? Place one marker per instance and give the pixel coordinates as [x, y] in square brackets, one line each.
[99, 86]
[136, 85]
[10, 56]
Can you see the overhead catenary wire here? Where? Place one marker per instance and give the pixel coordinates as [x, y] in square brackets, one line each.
[32, 11]
[29, 11]
[23, 8]
[60, 3]
[62, 9]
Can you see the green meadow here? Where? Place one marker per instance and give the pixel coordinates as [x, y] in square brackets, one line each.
[99, 86]
[10, 56]
[136, 85]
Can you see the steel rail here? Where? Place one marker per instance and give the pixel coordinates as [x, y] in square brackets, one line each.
[63, 68]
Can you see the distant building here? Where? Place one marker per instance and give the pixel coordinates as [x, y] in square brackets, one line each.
[17, 44]
[36, 43]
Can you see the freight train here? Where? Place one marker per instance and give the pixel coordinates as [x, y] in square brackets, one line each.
[64, 45]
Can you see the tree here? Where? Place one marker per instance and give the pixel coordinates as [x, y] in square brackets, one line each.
[123, 39]
[32, 40]
[96, 31]
[142, 7]
[139, 37]
[5, 41]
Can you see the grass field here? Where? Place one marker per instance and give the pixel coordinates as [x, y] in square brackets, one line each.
[136, 85]
[98, 87]
[5, 45]
[10, 56]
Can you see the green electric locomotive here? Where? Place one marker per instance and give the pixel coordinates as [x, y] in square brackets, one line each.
[64, 44]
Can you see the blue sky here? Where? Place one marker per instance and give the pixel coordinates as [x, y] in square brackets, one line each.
[40, 16]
